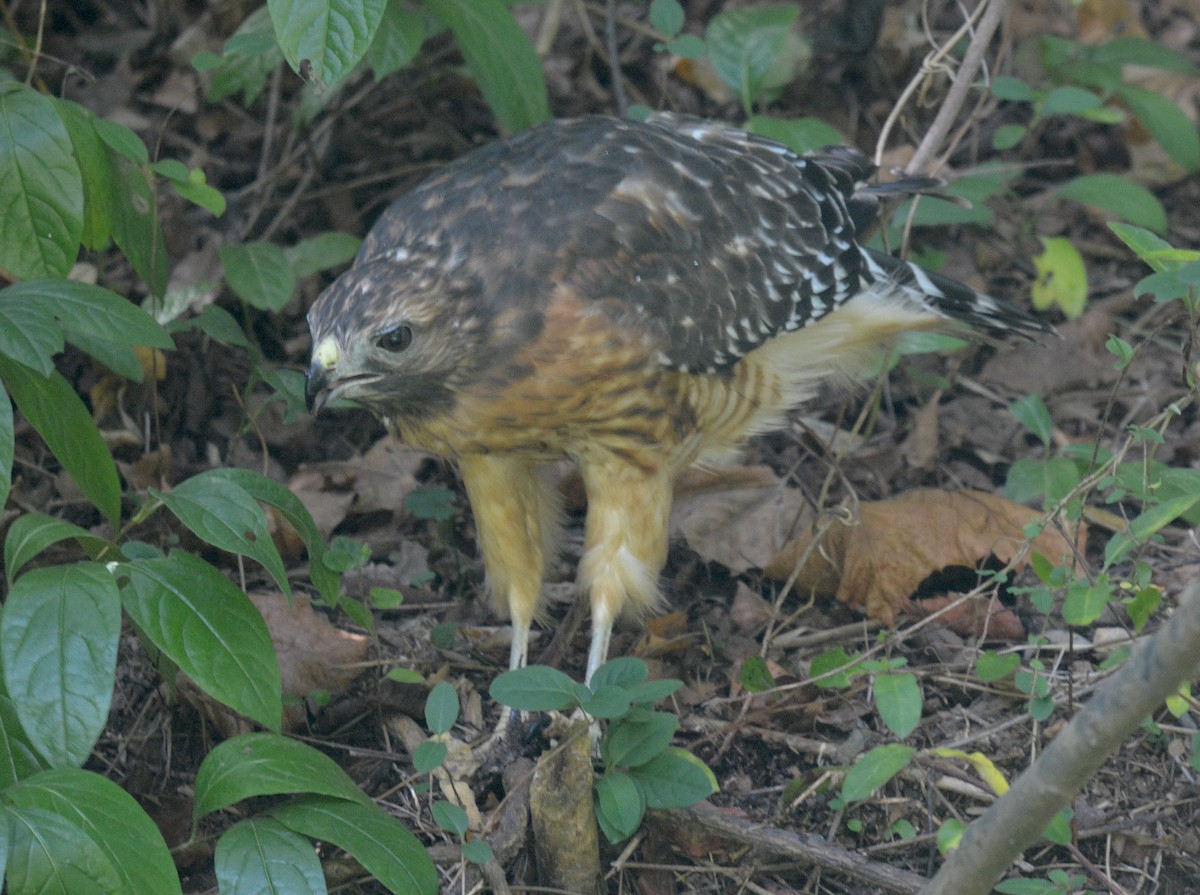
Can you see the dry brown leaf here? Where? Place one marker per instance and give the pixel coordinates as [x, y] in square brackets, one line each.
[741, 527]
[894, 545]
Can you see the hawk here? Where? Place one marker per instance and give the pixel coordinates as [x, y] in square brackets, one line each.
[636, 298]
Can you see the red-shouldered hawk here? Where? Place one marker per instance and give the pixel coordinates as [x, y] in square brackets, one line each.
[634, 297]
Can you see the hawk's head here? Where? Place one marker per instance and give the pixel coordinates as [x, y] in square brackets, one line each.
[394, 337]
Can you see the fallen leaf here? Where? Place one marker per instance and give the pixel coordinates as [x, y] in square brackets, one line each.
[892, 546]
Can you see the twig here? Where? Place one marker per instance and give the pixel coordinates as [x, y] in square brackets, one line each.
[614, 55]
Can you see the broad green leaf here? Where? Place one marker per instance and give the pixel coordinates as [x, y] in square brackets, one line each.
[429, 755]
[109, 816]
[261, 856]
[216, 323]
[290, 507]
[1142, 51]
[1012, 89]
[122, 141]
[651, 692]
[1147, 524]
[629, 742]
[1032, 413]
[874, 769]
[1086, 602]
[1041, 481]
[1061, 277]
[265, 764]
[397, 40]
[96, 171]
[534, 689]
[18, 759]
[94, 310]
[798, 134]
[441, 708]
[477, 851]
[29, 334]
[321, 252]
[608, 701]
[755, 51]
[50, 855]
[755, 676]
[675, 779]
[1166, 122]
[620, 805]
[898, 699]
[841, 667]
[378, 841]
[58, 645]
[1120, 197]
[248, 57]
[7, 451]
[259, 274]
[993, 667]
[219, 511]
[41, 189]
[209, 628]
[624, 671]
[32, 533]
[667, 16]
[1008, 135]
[450, 817]
[1068, 100]
[501, 58]
[1142, 241]
[136, 227]
[324, 39]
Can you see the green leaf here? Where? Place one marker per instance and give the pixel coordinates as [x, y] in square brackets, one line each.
[375, 839]
[624, 672]
[1142, 51]
[501, 58]
[1041, 481]
[218, 510]
[209, 628]
[430, 502]
[191, 185]
[1166, 122]
[216, 323]
[754, 675]
[441, 708]
[32, 533]
[324, 39]
[29, 334]
[1118, 196]
[686, 46]
[94, 310]
[1084, 602]
[135, 226]
[18, 759]
[874, 769]
[651, 692]
[994, 667]
[675, 779]
[1061, 277]
[1068, 100]
[109, 816]
[898, 699]
[7, 453]
[631, 742]
[47, 853]
[620, 805]
[54, 409]
[798, 134]
[58, 644]
[259, 274]
[1032, 413]
[1145, 525]
[667, 16]
[831, 661]
[293, 510]
[260, 855]
[249, 56]
[1142, 241]
[397, 40]
[754, 50]
[41, 188]
[1012, 89]
[122, 141]
[450, 817]
[534, 689]
[266, 764]
[96, 170]
[321, 253]
[1008, 135]
[608, 701]
[477, 851]
[429, 755]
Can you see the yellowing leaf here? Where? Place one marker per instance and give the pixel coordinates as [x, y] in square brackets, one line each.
[1061, 277]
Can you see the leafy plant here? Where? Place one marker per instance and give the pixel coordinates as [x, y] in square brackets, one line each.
[641, 769]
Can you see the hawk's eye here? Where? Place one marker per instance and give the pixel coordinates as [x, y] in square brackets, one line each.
[397, 339]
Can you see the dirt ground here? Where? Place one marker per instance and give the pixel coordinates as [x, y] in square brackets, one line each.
[939, 421]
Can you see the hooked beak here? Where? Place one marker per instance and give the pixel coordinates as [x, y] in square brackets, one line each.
[324, 362]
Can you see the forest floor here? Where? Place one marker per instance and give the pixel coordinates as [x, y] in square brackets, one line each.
[938, 421]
